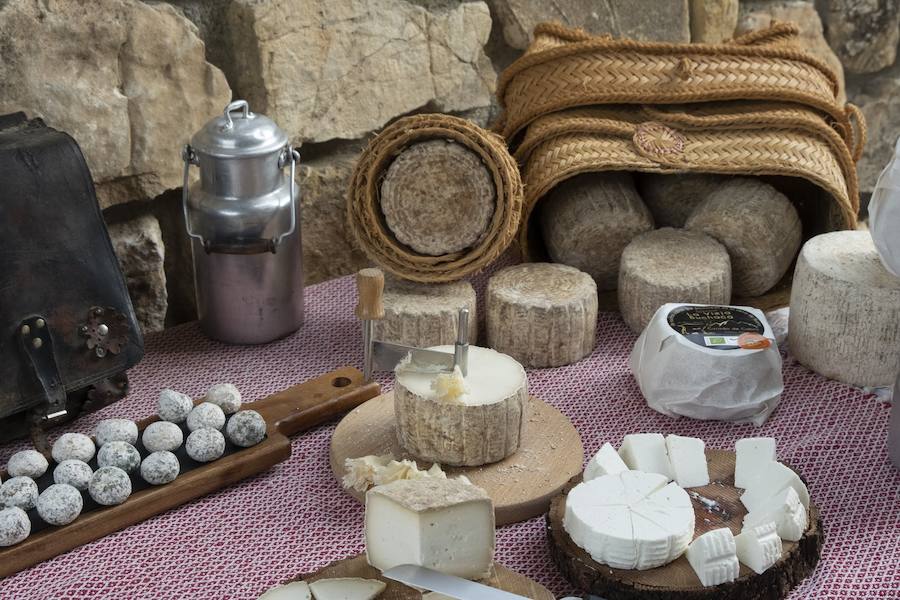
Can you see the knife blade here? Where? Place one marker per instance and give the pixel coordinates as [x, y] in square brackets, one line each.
[455, 587]
[387, 356]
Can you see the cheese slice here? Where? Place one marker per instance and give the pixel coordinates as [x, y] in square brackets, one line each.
[758, 547]
[687, 457]
[785, 510]
[347, 588]
[646, 452]
[296, 590]
[713, 556]
[606, 462]
[753, 455]
[443, 524]
[770, 482]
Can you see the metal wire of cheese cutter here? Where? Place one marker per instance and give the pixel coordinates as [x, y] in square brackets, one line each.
[385, 356]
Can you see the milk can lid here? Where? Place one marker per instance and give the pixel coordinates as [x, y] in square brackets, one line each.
[239, 133]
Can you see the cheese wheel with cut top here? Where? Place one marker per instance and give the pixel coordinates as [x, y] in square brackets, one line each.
[758, 226]
[671, 265]
[671, 198]
[462, 421]
[589, 219]
[542, 314]
[425, 314]
[438, 198]
[845, 310]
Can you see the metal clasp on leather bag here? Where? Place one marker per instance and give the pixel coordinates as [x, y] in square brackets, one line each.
[37, 344]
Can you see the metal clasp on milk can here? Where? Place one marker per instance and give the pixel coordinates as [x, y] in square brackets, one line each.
[243, 220]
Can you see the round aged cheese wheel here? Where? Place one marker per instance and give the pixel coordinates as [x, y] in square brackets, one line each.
[425, 314]
[671, 265]
[589, 219]
[462, 421]
[438, 198]
[542, 314]
[672, 198]
[845, 310]
[758, 225]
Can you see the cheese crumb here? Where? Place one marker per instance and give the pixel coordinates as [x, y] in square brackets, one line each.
[450, 387]
[360, 472]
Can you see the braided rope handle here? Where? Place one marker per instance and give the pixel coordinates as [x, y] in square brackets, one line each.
[860, 130]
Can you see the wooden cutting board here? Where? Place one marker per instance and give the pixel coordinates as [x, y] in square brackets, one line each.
[501, 578]
[520, 486]
[677, 580]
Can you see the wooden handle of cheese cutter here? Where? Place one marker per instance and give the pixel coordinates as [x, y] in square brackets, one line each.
[370, 285]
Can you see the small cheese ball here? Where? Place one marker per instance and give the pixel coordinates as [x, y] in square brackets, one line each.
[205, 445]
[174, 406]
[116, 430]
[60, 504]
[119, 454]
[21, 492]
[160, 468]
[15, 526]
[27, 463]
[246, 428]
[110, 486]
[225, 396]
[206, 416]
[73, 472]
[162, 436]
[75, 446]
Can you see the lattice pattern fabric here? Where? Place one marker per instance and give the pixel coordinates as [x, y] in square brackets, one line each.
[295, 518]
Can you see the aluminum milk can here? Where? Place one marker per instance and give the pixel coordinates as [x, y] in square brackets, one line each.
[244, 223]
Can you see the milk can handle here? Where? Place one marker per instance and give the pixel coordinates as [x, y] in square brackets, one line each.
[237, 104]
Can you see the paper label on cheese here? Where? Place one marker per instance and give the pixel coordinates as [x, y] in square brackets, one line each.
[718, 327]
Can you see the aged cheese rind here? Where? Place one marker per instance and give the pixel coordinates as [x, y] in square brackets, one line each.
[425, 314]
[845, 307]
[589, 219]
[752, 456]
[713, 556]
[758, 547]
[672, 198]
[646, 452]
[483, 427]
[671, 265]
[438, 198]
[347, 588]
[758, 225]
[606, 462]
[542, 314]
[687, 458]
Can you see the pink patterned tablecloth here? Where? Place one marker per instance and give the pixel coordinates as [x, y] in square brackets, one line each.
[295, 518]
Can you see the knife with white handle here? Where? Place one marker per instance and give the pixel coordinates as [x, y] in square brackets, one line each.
[455, 587]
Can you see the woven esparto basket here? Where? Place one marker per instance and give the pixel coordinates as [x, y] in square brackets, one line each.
[367, 222]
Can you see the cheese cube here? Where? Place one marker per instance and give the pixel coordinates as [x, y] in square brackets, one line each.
[785, 510]
[688, 460]
[443, 524]
[606, 462]
[713, 556]
[347, 588]
[753, 456]
[758, 547]
[296, 590]
[646, 452]
[768, 484]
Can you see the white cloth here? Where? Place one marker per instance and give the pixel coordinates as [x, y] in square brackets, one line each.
[884, 214]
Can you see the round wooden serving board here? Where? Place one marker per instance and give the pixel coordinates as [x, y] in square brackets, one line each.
[501, 578]
[520, 486]
[677, 580]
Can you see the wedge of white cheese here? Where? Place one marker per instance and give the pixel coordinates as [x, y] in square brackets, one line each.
[347, 588]
[758, 547]
[753, 455]
[713, 556]
[785, 510]
[687, 458]
[646, 452]
[606, 462]
[775, 478]
[296, 590]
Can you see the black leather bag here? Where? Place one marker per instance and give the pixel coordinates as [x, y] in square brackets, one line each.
[68, 329]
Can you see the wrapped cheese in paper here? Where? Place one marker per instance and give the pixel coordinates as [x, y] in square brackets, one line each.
[709, 362]
[884, 214]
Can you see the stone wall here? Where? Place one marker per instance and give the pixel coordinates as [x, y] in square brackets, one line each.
[132, 80]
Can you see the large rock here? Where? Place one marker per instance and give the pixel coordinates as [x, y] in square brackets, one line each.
[666, 20]
[879, 98]
[128, 80]
[759, 14]
[327, 69]
[713, 21]
[138, 244]
[864, 33]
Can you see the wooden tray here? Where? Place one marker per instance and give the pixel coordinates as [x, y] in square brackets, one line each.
[502, 579]
[286, 413]
[521, 486]
[677, 580]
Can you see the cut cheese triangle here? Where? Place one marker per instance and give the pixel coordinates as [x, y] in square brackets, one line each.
[347, 588]
[606, 462]
[296, 590]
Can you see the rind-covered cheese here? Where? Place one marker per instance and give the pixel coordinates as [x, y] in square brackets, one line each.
[672, 198]
[646, 452]
[542, 314]
[606, 462]
[687, 458]
[713, 556]
[480, 427]
[775, 478]
[589, 219]
[752, 456]
[347, 588]
[758, 547]
[785, 510]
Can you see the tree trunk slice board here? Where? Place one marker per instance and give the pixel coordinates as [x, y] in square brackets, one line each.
[501, 578]
[521, 486]
[286, 413]
[677, 580]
